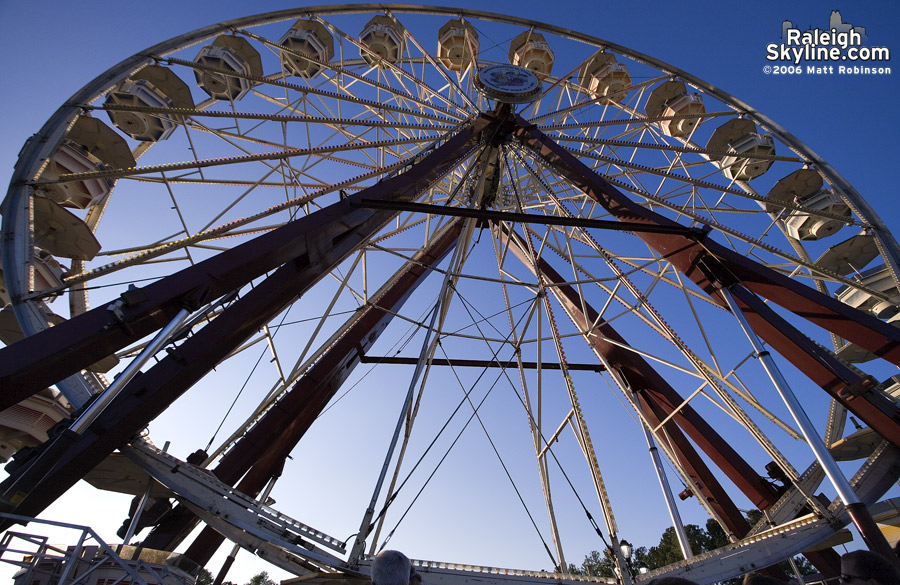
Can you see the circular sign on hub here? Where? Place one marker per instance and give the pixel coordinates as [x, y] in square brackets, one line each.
[508, 84]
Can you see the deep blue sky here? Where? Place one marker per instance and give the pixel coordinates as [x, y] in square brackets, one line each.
[52, 48]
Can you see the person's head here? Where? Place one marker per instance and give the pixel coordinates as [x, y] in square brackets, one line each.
[391, 567]
[863, 567]
[758, 579]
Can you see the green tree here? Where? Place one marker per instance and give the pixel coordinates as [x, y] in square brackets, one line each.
[598, 565]
[669, 550]
[603, 565]
[204, 577]
[261, 579]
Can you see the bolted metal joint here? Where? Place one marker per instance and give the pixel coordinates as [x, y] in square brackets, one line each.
[716, 272]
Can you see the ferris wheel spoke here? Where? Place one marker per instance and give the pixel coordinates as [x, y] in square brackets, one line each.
[399, 72]
[312, 91]
[567, 295]
[451, 84]
[564, 113]
[285, 118]
[684, 149]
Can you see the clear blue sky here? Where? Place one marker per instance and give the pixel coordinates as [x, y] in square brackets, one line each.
[52, 48]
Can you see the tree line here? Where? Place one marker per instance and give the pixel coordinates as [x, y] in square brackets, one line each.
[668, 551]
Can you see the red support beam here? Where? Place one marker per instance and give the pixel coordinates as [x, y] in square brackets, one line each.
[659, 400]
[39, 361]
[325, 238]
[857, 326]
[689, 254]
[259, 455]
[877, 410]
[693, 465]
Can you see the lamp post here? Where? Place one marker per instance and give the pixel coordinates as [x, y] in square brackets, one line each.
[627, 550]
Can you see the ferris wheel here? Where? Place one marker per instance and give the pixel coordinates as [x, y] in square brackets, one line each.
[523, 242]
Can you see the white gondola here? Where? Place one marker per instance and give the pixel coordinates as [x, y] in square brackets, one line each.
[605, 77]
[61, 232]
[151, 87]
[71, 158]
[457, 43]
[740, 167]
[670, 100]
[741, 141]
[804, 187]
[383, 38]
[309, 37]
[803, 226]
[531, 51]
[26, 424]
[231, 54]
[851, 255]
[880, 280]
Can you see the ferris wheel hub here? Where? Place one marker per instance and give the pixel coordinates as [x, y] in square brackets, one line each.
[508, 84]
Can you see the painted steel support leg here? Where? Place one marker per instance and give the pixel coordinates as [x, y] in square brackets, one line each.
[41, 360]
[858, 512]
[687, 255]
[667, 492]
[257, 455]
[35, 471]
[325, 238]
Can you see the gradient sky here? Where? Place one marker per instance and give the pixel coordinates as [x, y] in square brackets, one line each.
[52, 48]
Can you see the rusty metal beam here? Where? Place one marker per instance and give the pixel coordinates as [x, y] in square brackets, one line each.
[696, 469]
[39, 361]
[659, 400]
[857, 326]
[514, 217]
[878, 411]
[259, 454]
[325, 238]
[688, 255]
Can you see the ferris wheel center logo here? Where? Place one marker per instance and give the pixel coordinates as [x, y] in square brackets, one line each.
[839, 49]
[508, 83]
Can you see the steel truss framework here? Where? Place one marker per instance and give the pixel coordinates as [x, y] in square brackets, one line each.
[444, 169]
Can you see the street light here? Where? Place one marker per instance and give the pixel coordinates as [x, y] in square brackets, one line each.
[626, 550]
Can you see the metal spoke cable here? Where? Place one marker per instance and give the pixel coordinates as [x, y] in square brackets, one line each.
[474, 415]
[532, 421]
[466, 398]
[549, 448]
[402, 342]
[244, 385]
[579, 426]
[452, 415]
[562, 470]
